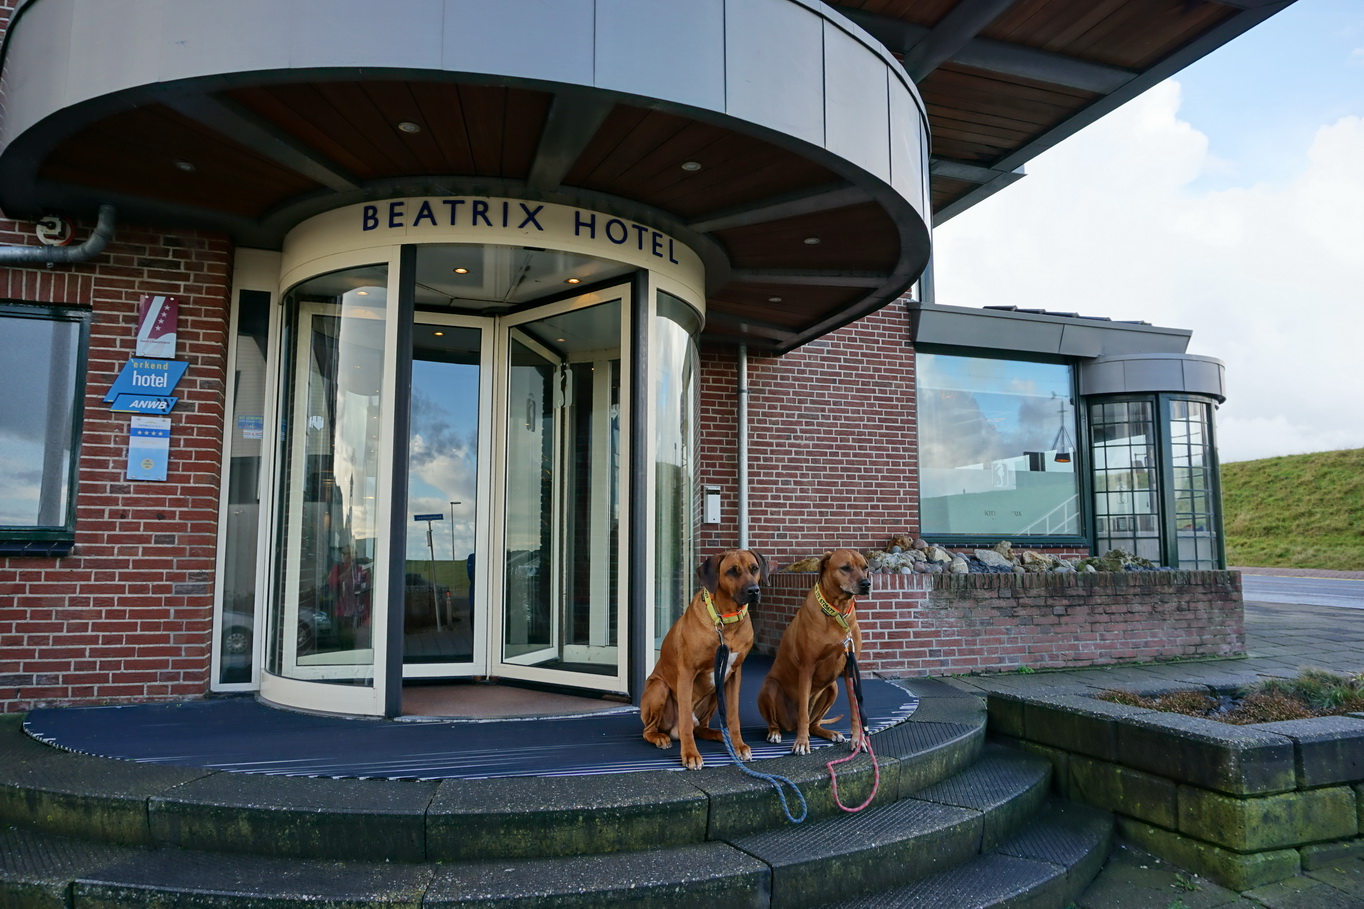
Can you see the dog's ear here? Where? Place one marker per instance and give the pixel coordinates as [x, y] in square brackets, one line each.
[824, 561]
[709, 572]
[762, 564]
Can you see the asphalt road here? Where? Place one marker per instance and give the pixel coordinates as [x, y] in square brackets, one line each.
[1346, 592]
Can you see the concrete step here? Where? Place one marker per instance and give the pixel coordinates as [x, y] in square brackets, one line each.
[1047, 865]
[130, 803]
[890, 844]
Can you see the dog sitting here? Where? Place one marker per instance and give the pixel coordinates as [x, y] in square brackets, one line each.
[685, 673]
[803, 682]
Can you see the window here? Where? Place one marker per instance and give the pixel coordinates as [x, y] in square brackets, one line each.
[42, 371]
[996, 448]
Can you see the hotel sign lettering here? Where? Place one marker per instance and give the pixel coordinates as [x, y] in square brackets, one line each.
[528, 218]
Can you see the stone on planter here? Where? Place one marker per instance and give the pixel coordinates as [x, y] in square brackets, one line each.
[1329, 749]
[1268, 822]
[1237, 760]
[1114, 787]
[1230, 869]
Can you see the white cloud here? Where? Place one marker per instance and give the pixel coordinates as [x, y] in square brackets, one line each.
[1113, 223]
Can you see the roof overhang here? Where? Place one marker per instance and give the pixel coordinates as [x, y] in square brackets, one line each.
[805, 187]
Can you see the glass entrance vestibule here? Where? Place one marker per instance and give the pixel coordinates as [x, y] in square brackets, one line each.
[452, 459]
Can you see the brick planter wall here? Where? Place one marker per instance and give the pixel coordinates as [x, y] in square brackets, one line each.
[126, 616]
[946, 624]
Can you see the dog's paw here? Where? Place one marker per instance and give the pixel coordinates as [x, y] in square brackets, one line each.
[837, 738]
[774, 736]
[693, 761]
[857, 743]
[659, 740]
[802, 746]
[743, 751]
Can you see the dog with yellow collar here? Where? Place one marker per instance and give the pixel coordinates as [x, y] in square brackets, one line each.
[803, 682]
[731, 582]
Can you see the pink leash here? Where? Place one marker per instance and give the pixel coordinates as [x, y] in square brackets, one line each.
[854, 683]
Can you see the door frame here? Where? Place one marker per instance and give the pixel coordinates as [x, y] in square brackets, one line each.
[623, 291]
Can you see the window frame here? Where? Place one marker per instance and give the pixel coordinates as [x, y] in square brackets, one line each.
[52, 539]
[1085, 506]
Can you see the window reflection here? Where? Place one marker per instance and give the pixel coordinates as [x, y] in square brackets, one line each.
[996, 447]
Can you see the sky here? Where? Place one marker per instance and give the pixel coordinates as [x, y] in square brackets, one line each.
[1228, 200]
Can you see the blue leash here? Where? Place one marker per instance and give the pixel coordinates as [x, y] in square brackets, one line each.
[721, 663]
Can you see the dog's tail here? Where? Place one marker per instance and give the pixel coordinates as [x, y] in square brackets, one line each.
[831, 719]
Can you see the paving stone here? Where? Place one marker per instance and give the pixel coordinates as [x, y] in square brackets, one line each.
[1328, 855]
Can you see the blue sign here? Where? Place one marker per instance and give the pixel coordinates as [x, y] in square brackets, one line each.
[143, 404]
[147, 377]
[148, 448]
[428, 517]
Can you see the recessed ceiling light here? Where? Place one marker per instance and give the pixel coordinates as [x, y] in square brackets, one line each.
[573, 281]
[461, 271]
[439, 334]
[691, 166]
[774, 299]
[812, 241]
[407, 126]
[362, 293]
[186, 166]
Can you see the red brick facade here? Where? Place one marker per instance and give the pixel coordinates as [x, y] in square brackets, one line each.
[831, 442]
[127, 615]
[918, 624]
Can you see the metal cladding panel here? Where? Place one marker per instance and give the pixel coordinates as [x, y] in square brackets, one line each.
[1102, 377]
[1082, 341]
[856, 108]
[1153, 374]
[401, 33]
[1136, 374]
[220, 37]
[1204, 375]
[529, 39]
[774, 61]
[35, 79]
[906, 145]
[134, 58]
[663, 49]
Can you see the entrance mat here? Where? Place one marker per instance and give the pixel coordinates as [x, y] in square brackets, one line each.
[243, 735]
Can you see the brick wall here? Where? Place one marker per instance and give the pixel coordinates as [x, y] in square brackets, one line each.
[914, 625]
[126, 616]
[828, 466]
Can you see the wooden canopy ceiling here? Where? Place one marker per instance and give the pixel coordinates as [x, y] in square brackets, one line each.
[1002, 81]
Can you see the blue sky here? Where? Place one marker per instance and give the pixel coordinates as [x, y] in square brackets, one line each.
[1228, 201]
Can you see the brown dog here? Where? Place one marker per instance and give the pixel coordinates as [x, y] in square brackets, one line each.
[803, 682]
[685, 673]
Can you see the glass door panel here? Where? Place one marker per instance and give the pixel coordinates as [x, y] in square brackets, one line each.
[443, 627]
[322, 618]
[561, 532]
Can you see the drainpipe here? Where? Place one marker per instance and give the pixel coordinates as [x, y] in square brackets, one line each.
[53, 255]
[743, 446]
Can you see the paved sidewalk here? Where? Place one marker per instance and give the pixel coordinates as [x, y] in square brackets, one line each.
[1280, 641]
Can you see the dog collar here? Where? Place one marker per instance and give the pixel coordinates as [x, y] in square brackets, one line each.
[728, 618]
[830, 611]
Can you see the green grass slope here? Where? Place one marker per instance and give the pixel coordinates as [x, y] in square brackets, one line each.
[1298, 511]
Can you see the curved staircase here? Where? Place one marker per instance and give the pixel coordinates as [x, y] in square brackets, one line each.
[957, 824]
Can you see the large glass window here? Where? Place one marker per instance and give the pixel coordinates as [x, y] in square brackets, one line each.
[1127, 500]
[241, 529]
[996, 448]
[42, 370]
[676, 503]
[1197, 510]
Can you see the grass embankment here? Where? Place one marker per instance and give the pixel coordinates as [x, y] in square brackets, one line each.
[1297, 511]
